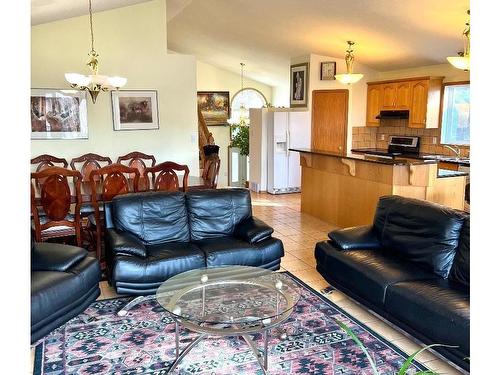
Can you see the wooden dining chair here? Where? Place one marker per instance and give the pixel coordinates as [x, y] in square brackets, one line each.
[53, 195]
[210, 173]
[139, 161]
[85, 164]
[106, 183]
[165, 178]
[44, 161]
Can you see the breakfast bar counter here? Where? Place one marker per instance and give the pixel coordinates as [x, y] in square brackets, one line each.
[343, 189]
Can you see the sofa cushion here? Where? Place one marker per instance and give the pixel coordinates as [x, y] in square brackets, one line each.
[460, 271]
[234, 251]
[366, 273]
[154, 217]
[162, 262]
[439, 309]
[215, 213]
[53, 291]
[421, 232]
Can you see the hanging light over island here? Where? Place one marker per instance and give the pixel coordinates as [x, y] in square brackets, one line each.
[462, 61]
[349, 77]
[94, 83]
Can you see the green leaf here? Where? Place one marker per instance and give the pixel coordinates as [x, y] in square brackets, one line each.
[407, 363]
[360, 344]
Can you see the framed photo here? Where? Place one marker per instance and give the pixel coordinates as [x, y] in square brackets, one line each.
[328, 70]
[214, 106]
[135, 110]
[299, 77]
[58, 114]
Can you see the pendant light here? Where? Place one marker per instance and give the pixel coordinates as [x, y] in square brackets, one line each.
[349, 77]
[94, 83]
[462, 61]
[243, 110]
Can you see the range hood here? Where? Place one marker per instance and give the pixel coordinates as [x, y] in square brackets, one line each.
[395, 115]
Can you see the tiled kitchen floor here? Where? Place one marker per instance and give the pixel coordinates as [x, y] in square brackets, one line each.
[299, 233]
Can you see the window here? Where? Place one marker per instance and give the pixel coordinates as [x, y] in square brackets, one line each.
[242, 101]
[455, 124]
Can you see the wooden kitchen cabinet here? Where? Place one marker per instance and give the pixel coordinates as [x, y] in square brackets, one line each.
[374, 103]
[421, 96]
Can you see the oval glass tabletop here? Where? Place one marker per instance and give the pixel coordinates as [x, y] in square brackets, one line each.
[229, 295]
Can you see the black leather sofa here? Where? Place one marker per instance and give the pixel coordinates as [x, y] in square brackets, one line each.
[411, 267]
[153, 236]
[64, 282]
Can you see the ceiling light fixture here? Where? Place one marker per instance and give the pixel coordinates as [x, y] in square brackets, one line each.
[462, 61]
[94, 83]
[349, 77]
[244, 113]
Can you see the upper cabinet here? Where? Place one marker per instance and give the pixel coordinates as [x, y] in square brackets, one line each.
[420, 96]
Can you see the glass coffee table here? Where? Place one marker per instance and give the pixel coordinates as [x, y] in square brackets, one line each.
[228, 301]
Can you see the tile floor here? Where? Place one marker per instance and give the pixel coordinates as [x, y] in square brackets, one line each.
[299, 233]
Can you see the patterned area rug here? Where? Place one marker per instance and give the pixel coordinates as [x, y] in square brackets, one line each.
[100, 342]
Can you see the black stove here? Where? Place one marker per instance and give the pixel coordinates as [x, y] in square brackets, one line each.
[398, 146]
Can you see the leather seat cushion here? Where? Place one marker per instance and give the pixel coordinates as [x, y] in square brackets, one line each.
[215, 213]
[233, 251]
[52, 291]
[422, 232]
[439, 309]
[155, 217]
[162, 262]
[367, 273]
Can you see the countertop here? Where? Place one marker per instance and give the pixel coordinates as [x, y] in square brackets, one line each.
[419, 156]
[447, 173]
[371, 159]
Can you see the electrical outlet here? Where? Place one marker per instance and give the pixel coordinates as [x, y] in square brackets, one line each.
[382, 137]
[434, 140]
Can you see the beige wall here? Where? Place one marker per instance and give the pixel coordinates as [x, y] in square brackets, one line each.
[211, 78]
[446, 70]
[131, 42]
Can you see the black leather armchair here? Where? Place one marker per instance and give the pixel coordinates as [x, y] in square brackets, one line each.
[411, 267]
[64, 282]
[153, 236]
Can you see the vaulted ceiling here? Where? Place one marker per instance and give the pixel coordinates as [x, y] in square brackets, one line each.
[266, 34]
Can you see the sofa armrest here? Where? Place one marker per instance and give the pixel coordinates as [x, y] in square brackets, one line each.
[46, 256]
[355, 238]
[119, 242]
[253, 230]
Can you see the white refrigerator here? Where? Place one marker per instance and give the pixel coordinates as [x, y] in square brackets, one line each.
[288, 129]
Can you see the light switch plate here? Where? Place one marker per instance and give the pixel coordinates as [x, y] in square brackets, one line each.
[382, 137]
[434, 140]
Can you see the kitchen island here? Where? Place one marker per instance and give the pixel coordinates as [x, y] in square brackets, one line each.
[343, 189]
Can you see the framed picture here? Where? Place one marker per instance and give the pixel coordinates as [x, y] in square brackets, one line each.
[214, 106]
[135, 110]
[299, 76]
[328, 70]
[58, 114]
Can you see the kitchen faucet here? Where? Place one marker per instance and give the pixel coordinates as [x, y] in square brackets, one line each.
[454, 148]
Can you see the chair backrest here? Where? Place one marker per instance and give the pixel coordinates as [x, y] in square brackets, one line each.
[51, 192]
[139, 161]
[89, 162]
[165, 178]
[44, 161]
[211, 171]
[110, 181]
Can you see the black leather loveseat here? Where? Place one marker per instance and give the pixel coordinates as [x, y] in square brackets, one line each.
[153, 236]
[64, 282]
[411, 267]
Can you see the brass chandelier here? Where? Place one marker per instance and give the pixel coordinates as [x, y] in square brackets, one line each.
[462, 61]
[95, 82]
[349, 77]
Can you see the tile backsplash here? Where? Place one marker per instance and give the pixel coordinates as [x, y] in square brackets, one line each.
[370, 137]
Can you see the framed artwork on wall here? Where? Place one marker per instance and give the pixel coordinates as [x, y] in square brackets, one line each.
[214, 106]
[328, 70]
[58, 114]
[135, 110]
[299, 84]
